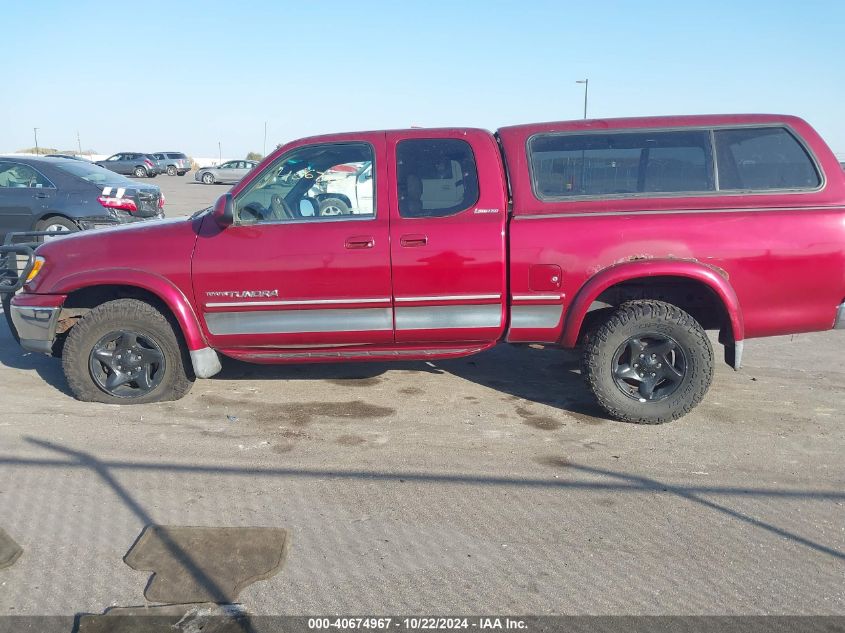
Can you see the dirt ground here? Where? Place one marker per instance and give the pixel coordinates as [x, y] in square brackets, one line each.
[488, 484]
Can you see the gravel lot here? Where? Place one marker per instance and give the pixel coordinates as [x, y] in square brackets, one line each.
[487, 484]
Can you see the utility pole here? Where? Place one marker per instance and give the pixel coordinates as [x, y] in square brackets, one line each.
[586, 83]
[264, 151]
[219, 152]
[78, 142]
[35, 131]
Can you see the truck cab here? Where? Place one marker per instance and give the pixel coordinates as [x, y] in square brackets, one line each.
[628, 237]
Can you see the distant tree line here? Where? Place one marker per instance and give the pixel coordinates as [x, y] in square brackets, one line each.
[53, 150]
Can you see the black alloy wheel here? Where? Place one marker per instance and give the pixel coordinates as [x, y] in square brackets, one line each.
[126, 364]
[649, 367]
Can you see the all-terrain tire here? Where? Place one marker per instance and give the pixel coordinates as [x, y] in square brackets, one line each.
[637, 318]
[131, 315]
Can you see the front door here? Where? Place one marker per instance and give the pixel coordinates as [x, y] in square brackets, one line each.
[448, 214]
[285, 276]
[25, 193]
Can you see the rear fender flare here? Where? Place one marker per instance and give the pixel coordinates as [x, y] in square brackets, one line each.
[712, 277]
[161, 287]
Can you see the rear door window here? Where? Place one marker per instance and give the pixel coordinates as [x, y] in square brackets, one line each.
[435, 177]
[759, 159]
[624, 163]
[18, 176]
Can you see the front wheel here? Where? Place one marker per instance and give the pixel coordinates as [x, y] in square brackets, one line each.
[649, 363]
[171, 170]
[208, 178]
[125, 352]
[333, 206]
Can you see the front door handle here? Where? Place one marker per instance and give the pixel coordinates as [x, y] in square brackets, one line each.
[413, 239]
[360, 241]
[42, 195]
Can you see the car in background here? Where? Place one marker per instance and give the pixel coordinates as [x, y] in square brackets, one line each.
[70, 156]
[172, 163]
[58, 194]
[131, 164]
[229, 172]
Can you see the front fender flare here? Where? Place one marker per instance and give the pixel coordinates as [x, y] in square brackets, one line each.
[618, 273]
[163, 288]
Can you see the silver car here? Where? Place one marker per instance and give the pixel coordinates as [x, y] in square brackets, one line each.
[229, 172]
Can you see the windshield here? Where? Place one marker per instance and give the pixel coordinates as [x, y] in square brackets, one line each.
[95, 174]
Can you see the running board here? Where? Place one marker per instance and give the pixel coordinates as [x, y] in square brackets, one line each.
[346, 355]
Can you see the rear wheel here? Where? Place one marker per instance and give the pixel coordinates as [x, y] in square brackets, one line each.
[125, 352]
[649, 363]
[171, 170]
[140, 172]
[57, 224]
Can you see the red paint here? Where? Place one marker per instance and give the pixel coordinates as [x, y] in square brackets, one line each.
[776, 261]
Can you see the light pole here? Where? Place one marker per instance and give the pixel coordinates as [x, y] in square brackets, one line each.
[219, 152]
[35, 131]
[586, 83]
[264, 150]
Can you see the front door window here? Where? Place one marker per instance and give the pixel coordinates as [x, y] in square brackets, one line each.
[314, 183]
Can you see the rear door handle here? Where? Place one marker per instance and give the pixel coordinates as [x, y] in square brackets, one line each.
[413, 239]
[360, 241]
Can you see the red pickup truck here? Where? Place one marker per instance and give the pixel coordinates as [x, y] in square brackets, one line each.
[630, 237]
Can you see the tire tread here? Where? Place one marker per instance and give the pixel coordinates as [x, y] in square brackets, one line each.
[636, 310]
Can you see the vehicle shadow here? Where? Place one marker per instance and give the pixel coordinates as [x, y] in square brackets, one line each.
[548, 376]
[14, 356]
[540, 374]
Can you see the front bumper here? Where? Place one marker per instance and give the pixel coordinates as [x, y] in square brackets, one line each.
[36, 318]
[839, 323]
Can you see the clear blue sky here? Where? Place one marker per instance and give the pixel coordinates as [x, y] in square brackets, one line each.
[181, 75]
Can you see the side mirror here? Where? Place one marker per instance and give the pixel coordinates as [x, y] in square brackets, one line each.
[222, 212]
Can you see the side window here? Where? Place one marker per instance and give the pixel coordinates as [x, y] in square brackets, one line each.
[758, 159]
[313, 183]
[6, 174]
[17, 176]
[568, 165]
[435, 177]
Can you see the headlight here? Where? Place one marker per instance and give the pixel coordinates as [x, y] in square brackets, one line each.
[36, 268]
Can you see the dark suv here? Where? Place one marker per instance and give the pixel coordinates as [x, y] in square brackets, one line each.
[172, 163]
[131, 164]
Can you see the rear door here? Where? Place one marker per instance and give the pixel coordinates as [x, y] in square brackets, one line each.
[285, 279]
[448, 216]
